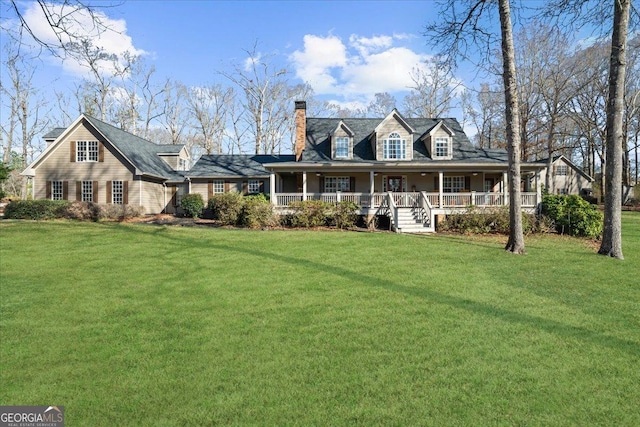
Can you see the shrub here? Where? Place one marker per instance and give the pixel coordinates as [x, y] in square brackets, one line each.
[35, 209]
[573, 215]
[81, 211]
[120, 212]
[192, 204]
[309, 213]
[226, 207]
[344, 214]
[257, 212]
[483, 220]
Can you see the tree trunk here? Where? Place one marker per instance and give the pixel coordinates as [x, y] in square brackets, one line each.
[516, 236]
[612, 233]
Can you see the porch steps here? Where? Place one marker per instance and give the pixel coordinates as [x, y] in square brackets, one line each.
[409, 222]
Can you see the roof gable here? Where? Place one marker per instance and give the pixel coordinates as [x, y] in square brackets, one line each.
[394, 115]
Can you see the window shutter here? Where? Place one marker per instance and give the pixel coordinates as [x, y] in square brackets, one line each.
[227, 186]
[321, 181]
[299, 182]
[352, 183]
[109, 188]
[467, 183]
[385, 184]
[435, 184]
[94, 189]
[79, 191]
[125, 192]
[48, 196]
[210, 189]
[245, 187]
[65, 190]
[262, 186]
[100, 152]
[72, 152]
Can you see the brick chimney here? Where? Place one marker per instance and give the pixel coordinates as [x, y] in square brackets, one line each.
[301, 128]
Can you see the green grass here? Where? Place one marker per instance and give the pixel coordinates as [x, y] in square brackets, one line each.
[144, 325]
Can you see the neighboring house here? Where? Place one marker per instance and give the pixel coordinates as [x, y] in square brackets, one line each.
[95, 162]
[567, 177]
[413, 170]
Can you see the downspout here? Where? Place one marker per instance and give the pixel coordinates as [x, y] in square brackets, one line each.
[164, 197]
[140, 190]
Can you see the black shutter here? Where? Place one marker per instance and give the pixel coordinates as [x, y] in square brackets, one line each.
[352, 183]
[467, 183]
[321, 184]
[262, 186]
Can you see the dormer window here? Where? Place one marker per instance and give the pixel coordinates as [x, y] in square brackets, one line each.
[443, 147]
[342, 147]
[394, 147]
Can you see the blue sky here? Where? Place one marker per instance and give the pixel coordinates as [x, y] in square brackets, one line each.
[346, 50]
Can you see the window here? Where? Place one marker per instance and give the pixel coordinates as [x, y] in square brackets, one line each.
[453, 184]
[342, 147]
[87, 191]
[394, 183]
[182, 165]
[87, 151]
[562, 170]
[117, 192]
[254, 186]
[218, 186]
[333, 184]
[56, 190]
[394, 147]
[442, 147]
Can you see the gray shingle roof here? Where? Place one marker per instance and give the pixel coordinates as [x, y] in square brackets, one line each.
[53, 133]
[142, 153]
[318, 145]
[228, 165]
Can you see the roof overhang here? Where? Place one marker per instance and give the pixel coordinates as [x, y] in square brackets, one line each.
[444, 166]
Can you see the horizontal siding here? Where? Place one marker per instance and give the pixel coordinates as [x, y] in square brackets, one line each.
[153, 196]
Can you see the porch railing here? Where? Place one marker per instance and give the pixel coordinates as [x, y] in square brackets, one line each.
[409, 199]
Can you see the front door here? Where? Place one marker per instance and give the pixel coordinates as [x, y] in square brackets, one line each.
[394, 183]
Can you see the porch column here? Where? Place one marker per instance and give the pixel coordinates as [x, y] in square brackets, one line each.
[272, 188]
[371, 182]
[538, 188]
[505, 189]
[304, 185]
[440, 189]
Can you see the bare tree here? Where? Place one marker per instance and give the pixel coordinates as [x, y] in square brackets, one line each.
[174, 113]
[469, 28]
[612, 232]
[262, 87]
[433, 91]
[64, 18]
[382, 104]
[208, 105]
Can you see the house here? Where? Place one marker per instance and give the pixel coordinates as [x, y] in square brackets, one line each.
[412, 170]
[95, 162]
[567, 177]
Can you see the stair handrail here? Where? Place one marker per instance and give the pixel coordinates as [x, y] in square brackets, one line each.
[394, 210]
[425, 208]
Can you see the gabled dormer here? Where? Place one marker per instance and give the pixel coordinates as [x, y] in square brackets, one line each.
[392, 139]
[341, 142]
[439, 141]
[175, 156]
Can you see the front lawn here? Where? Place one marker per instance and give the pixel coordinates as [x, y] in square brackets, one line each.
[136, 325]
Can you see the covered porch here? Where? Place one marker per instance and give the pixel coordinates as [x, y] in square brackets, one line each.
[444, 191]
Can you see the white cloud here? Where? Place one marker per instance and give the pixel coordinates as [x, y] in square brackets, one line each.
[357, 70]
[314, 65]
[113, 41]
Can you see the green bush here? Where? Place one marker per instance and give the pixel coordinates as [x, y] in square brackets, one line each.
[573, 215]
[192, 204]
[344, 214]
[257, 212]
[35, 209]
[226, 207]
[309, 213]
[475, 220]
